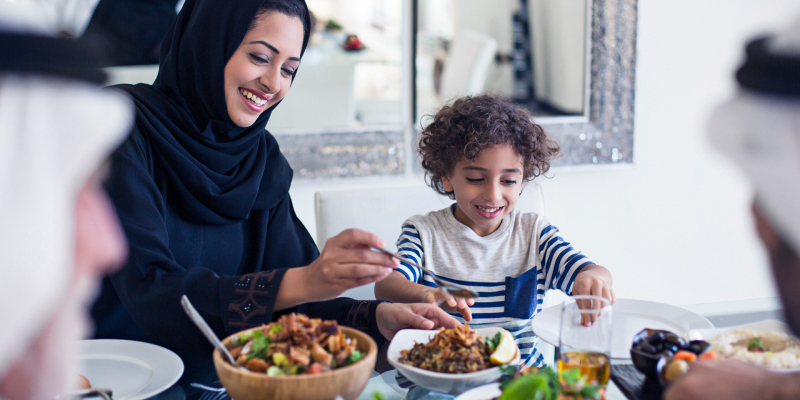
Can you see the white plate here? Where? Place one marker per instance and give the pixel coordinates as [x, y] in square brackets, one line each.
[132, 370]
[770, 325]
[484, 392]
[439, 381]
[629, 318]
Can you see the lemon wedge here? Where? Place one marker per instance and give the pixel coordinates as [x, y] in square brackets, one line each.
[505, 351]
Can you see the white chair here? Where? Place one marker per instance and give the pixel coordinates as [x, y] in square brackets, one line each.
[383, 210]
[467, 65]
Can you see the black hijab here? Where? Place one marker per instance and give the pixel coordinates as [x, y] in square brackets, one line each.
[216, 171]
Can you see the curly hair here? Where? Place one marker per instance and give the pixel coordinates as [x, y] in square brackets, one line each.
[475, 123]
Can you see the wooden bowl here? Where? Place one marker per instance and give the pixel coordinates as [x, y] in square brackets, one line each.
[348, 381]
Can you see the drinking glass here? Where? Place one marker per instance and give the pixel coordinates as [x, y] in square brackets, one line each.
[582, 345]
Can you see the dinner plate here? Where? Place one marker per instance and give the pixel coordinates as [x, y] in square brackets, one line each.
[439, 381]
[132, 370]
[629, 317]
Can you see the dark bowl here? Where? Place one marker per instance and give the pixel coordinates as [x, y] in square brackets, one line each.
[645, 362]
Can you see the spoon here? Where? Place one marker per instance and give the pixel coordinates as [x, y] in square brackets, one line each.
[451, 288]
[207, 332]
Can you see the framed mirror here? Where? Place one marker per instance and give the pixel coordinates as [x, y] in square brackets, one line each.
[571, 62]
[583, 96]
[532, 51]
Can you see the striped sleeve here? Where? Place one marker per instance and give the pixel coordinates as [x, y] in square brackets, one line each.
[560, 262]
[409, 246]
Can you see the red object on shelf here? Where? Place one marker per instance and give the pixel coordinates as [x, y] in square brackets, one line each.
[353, 43]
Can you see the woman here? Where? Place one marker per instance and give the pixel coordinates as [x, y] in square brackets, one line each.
[202, 192]
[59, 234]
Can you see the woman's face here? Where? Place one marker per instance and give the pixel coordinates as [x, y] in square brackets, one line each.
[259, 73]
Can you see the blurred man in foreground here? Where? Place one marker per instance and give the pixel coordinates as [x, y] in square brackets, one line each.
[760, 131]
[59, 234]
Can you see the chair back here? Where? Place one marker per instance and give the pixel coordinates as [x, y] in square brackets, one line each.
[383, 210]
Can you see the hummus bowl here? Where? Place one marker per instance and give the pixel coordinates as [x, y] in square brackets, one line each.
[768, 344]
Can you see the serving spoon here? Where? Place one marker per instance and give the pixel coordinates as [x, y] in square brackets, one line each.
[452, 289]
[207, 332]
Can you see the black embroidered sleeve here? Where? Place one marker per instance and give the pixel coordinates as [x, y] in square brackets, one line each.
[358, 314]
[253, 300]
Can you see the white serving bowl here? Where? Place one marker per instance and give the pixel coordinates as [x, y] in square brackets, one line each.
[439, 381]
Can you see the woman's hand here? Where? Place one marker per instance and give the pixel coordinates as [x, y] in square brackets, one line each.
[345, 262]
[596, 281]
[449, 303]
[394, 317]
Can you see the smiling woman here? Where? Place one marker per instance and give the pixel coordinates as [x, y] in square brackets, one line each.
[202, 190]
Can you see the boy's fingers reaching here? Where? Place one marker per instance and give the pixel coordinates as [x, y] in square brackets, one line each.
[466, 313]
[435, 314]
[464, 309]
[471, 302]
[449, 300]
[609, 294]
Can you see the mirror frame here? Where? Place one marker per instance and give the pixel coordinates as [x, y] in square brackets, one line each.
[605, 138]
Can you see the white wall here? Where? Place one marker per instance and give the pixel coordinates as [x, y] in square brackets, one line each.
[675, 227]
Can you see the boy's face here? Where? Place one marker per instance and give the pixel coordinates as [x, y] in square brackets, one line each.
[487, 189]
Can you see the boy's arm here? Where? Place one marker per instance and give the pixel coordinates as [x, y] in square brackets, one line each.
[398, 289]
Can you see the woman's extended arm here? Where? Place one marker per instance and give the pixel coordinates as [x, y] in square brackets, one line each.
[151, 283]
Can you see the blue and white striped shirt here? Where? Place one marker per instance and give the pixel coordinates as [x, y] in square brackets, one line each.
[510, 268]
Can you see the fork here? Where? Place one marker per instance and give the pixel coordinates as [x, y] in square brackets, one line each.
[453, 289]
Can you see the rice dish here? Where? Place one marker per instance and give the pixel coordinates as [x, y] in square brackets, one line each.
[767, 349]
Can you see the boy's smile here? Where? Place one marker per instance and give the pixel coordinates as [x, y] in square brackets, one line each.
[486, 189]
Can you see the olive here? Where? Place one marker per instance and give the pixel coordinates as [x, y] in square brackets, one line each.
[675, 368]
[675, 340]
[648, 348]
[667, 347]
[656, 338]
[699, 346]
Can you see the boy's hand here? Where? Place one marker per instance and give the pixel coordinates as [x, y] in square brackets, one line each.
[596, 281]
[449, 303]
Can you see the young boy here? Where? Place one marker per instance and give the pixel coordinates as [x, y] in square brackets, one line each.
[480, 151]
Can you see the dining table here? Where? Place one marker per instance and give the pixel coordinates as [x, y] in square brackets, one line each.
[383, 384]
[722, 314]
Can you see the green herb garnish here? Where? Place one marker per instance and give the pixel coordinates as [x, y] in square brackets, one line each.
[756, 345]
[494, 341]
[542, 385]
[275, 329]
[547, 384]
[377, 396]
[355, 356]
[259, 346]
